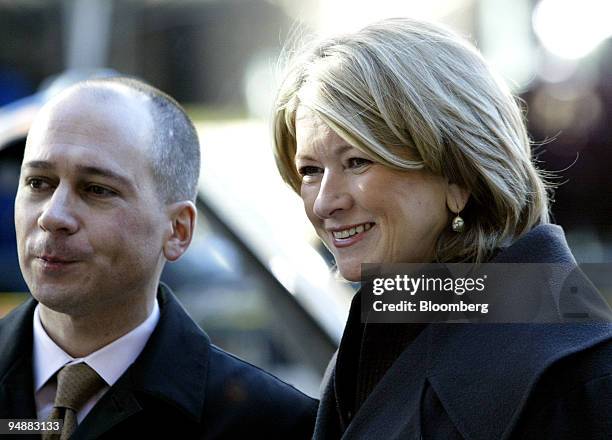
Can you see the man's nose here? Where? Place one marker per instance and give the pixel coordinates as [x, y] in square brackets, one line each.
[58, 213]
[334, 196]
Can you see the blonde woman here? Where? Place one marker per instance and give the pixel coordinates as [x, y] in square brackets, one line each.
[406, 148]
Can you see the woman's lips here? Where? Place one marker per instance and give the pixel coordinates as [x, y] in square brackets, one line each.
[355, 234]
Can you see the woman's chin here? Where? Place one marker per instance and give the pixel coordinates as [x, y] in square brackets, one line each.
[350, 273]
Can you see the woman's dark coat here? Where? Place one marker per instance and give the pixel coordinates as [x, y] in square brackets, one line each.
[483, 381]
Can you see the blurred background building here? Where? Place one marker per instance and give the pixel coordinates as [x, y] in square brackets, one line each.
[256, 270]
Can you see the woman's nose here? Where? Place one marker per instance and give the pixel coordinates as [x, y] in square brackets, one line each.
[58, 213]
[334, 196]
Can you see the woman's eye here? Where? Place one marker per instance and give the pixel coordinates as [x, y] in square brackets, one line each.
[358, 162]
[309, 170]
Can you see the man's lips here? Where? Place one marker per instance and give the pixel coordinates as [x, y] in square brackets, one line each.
[53, 256]
[54, 264]
[56, 260]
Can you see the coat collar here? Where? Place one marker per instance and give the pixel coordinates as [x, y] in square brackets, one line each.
[464, 362]
[543, 244]
[172, 367]
[174, 363]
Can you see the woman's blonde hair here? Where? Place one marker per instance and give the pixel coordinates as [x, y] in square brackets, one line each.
[414, 95]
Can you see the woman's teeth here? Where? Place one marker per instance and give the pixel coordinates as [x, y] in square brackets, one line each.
[346, 233]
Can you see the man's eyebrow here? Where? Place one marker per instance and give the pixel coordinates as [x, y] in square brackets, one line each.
[39, 164]
[83, 169]
[104, 172]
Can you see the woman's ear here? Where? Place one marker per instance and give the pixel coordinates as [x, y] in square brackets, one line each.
[183, 217]
[456, 197]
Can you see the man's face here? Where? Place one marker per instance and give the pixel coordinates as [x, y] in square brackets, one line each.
[90, 225]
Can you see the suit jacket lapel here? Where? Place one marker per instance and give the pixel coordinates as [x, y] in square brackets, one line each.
[118, 404]
[16, 375]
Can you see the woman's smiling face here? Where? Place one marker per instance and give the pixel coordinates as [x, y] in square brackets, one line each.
[366, 212]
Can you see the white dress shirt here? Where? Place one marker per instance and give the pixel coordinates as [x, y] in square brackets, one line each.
[110, 362]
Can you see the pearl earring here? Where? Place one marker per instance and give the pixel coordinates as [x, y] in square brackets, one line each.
[458, 224]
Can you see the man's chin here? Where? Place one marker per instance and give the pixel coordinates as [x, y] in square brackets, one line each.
[61, 300]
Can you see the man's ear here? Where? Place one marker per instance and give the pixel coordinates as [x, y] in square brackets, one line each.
[456, 197]
[183, 216]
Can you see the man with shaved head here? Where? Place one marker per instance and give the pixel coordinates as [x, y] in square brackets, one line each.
[106, 197]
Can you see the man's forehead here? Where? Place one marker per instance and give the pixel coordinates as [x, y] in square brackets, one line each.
[101, 100]
[94, 115]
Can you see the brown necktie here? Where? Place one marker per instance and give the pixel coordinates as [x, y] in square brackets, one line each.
[76, 384]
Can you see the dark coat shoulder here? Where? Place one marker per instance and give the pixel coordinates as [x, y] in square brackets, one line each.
[239, 391]
[180, 386]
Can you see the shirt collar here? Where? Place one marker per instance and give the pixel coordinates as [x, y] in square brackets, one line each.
[110, 361]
